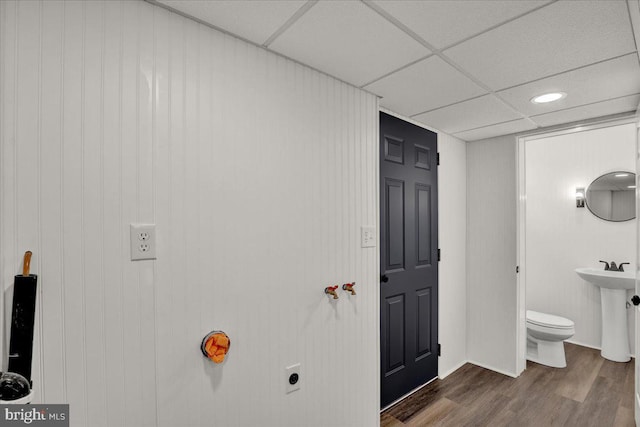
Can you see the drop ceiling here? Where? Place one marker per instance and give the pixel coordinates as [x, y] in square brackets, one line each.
[468, 68]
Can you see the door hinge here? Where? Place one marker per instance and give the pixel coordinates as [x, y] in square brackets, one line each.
[438, 159]
[439, 255]
[439, 349]
[517, 269]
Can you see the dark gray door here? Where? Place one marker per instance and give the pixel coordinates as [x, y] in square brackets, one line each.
[408, 257]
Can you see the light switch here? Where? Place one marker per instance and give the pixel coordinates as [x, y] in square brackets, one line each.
[368, 237]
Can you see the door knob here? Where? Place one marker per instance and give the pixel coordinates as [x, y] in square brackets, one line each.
[384, 278]
[635, 300]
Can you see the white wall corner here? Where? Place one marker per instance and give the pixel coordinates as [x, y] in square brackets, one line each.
[452, 369]
[493, 368]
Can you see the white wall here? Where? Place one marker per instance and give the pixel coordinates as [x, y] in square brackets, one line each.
[491, 254]
[258, 173]
[452, 235]
[560, 237]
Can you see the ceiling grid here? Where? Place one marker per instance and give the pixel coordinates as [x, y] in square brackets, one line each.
[467, 68]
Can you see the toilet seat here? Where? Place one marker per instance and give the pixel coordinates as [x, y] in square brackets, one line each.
[548, 320]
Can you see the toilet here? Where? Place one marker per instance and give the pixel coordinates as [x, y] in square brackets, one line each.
[545, 336]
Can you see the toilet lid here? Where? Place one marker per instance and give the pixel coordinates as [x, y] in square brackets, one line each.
[548, 320]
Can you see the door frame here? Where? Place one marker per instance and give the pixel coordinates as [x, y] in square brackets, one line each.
[636, 351]
[521, 197]
[423, 126]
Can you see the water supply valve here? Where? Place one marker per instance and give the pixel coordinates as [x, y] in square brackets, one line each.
[331, 290]
[349, 287]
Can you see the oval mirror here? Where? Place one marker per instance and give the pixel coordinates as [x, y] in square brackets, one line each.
[612, 196]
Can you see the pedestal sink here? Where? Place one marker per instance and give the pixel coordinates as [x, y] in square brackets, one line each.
[613, 290]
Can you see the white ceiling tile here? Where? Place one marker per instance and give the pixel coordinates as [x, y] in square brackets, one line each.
[553, 39]
[496, 130]
[426, 85]
[253, 20]
[442, 23]
[605, 80]
[599, 109]
[483, 111]
[348, 40]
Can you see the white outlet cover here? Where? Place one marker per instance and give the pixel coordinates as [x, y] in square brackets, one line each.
[290, 370]
[143, 241]
[368, 236]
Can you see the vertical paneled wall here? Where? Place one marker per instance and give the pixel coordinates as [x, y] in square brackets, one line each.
[258, 173]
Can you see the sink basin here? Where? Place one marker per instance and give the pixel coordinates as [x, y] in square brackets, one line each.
[613, 292]
[608, 279]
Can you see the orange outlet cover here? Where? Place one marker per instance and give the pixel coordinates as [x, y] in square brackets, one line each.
[216, 346]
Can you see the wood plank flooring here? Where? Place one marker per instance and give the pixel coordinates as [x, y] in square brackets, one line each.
[590, 391]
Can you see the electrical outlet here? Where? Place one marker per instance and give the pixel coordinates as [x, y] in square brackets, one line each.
[143, 241]
[292, 378]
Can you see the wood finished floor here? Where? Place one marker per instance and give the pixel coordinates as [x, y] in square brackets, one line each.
[590, 391]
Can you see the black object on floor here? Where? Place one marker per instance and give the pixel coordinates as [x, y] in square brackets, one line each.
[22, 321]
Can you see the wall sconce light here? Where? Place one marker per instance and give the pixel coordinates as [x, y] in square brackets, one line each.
[579, 197]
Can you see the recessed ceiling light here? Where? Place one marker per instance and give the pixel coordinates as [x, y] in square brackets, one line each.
[548, 97]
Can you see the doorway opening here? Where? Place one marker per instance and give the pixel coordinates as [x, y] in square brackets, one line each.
[555, 235]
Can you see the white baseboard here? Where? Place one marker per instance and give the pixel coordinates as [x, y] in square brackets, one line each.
[581, 344]
[491, 368]
[452, 370]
